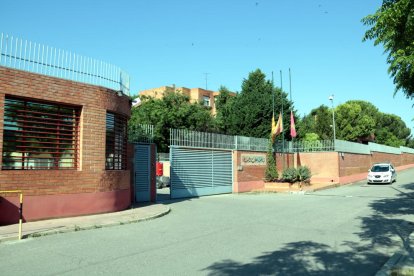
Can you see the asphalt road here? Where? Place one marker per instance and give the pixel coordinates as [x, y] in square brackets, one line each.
[351, 230]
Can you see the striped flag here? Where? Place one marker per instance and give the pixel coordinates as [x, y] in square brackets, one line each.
[278, 127]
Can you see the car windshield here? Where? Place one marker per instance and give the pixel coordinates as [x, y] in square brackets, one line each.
[380, 169]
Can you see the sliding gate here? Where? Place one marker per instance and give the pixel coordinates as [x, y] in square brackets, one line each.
[198, 172]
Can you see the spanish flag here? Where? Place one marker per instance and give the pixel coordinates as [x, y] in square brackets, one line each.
[278, 127]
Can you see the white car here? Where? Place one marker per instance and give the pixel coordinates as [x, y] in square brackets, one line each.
[382, 173]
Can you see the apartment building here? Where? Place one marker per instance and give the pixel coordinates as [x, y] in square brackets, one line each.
[207, 97]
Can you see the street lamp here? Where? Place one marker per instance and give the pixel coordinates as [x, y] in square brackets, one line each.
[331, 98]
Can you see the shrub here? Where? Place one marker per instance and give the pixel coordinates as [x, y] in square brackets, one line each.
[290, 175]
[303, 174]
[271, 173]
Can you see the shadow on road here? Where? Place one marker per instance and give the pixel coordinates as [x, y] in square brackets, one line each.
[390, 220]
[301, 258]
[388, 226]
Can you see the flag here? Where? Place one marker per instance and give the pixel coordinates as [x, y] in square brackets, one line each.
[278, 127]
[292, 125]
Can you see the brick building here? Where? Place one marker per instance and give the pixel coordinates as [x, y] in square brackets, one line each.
[63, 144]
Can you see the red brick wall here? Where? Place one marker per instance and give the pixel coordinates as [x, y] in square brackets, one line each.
[91, 176]
[379, 157]
[250, 177]
[323, 165]
[326, 167]
[407, 158]
[252, 172]
[351, 163]
[286, 160]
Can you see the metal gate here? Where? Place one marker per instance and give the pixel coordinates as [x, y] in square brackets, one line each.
[198, 172]
[142, 170]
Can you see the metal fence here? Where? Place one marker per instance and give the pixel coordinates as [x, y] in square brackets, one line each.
[34, 57]
[141, 134]
[305, 146]
[195, 139]
[187, 138]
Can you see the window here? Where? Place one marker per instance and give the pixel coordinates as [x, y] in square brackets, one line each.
[39, 135]
[206, 100]
[116, 142]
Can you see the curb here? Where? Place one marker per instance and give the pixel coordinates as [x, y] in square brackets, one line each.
[76, 228]
[390, 264]
[400, 262]
[336, 185]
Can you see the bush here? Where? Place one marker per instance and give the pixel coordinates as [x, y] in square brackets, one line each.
[290, 175]
[303, 174]
[271, 173]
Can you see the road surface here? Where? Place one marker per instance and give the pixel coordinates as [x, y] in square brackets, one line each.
[351, 230]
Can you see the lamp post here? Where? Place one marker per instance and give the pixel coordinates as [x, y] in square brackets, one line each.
[331, 98]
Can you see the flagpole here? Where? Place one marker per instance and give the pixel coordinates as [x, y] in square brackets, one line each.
[290, 92]
[273, 97]
[283, 134]
[290, 86]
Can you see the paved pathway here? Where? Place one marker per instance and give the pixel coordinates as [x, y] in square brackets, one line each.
[351, 230]
[63, 225]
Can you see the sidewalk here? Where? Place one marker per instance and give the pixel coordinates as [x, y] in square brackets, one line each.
[64, 225]
[294, 188]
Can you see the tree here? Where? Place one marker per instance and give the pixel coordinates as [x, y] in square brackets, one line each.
[319, 122]
[355, 119]
[311, 137]
[174, 110]
[391, 130]
[224, 104]
[271, 173]
[393, 26]
[252, 109]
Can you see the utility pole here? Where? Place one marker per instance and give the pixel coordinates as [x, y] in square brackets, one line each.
[206, 78]
[331, 98]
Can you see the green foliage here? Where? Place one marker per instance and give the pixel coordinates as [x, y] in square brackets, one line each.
[392, 25]
[410, 142]
[311, 137]
[174, 110]
[224, 103]
[251, 111]
[391, 130]
[303, 174]
[290, 175]
[300, 174]
[355, 119]
[318, 121]
[271, 173]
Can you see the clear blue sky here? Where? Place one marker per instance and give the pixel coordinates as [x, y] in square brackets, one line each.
[164, 42]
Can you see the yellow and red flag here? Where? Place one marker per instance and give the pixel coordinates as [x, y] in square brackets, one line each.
[278, 127]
